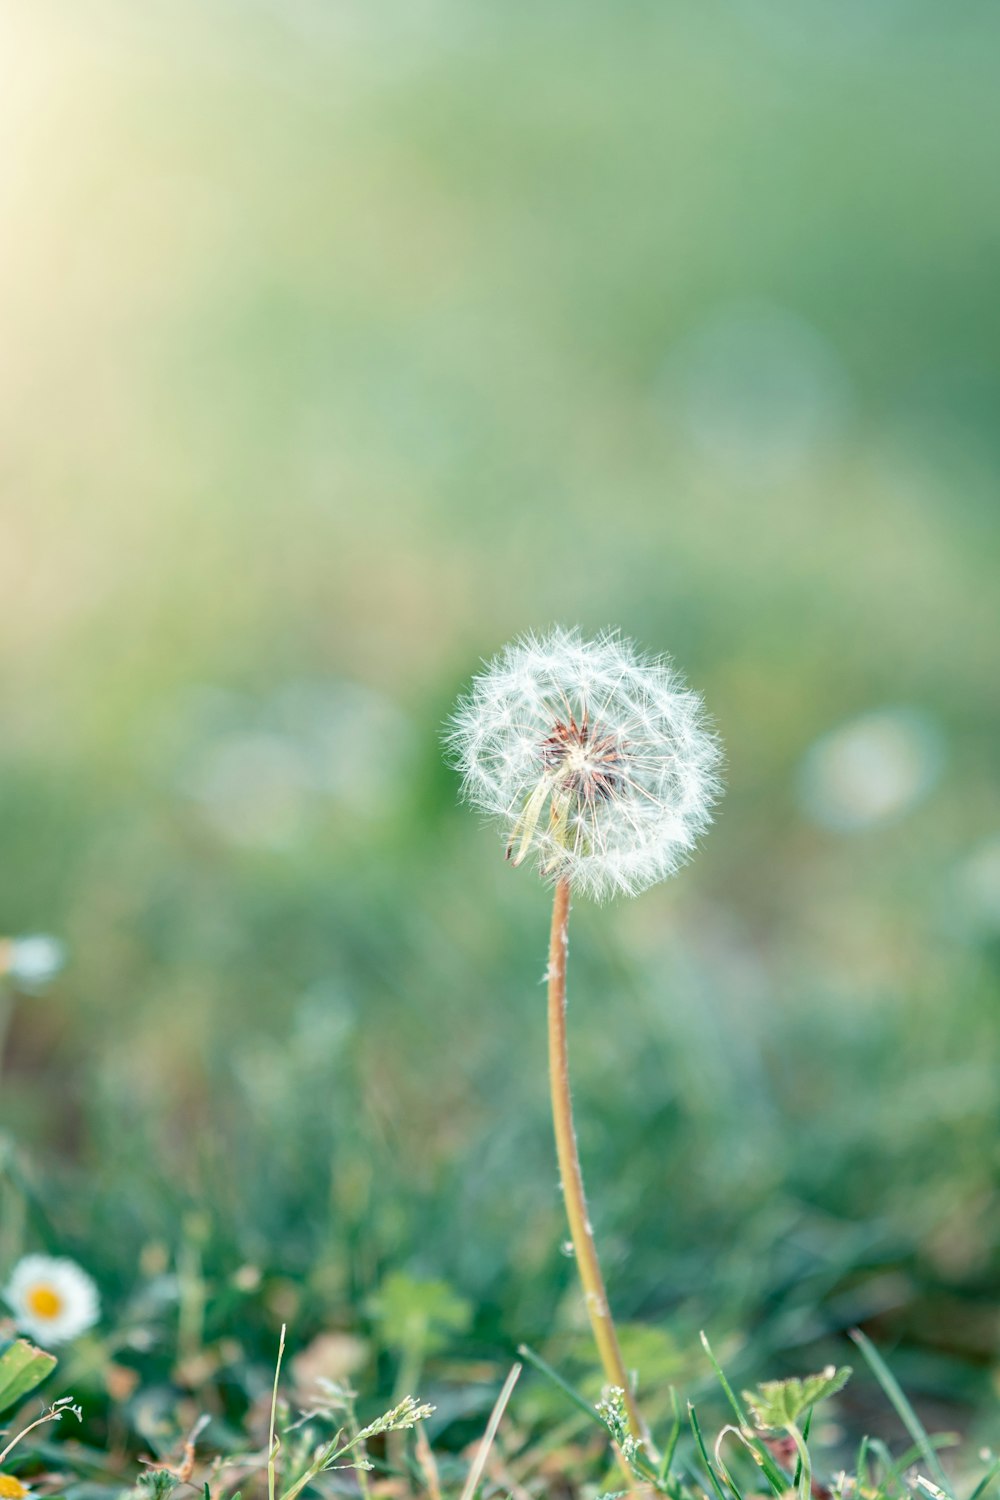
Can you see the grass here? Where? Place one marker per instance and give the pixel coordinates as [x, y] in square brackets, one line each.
[319, 1443]
[680, 319]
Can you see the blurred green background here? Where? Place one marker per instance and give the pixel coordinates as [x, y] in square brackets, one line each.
[342, 342]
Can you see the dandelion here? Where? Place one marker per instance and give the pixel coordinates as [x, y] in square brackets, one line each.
[594, 758]
[597, 763]
[52, 1299]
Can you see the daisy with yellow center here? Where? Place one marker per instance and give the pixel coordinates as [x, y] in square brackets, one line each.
[11, 1488]
[44, 1302]
[52, 1299]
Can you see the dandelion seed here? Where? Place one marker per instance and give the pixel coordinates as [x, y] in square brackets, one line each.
[52, 1299]
[594, 758]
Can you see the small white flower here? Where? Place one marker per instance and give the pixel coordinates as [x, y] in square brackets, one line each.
[52, 1298]
[594, 757]
[32, 961]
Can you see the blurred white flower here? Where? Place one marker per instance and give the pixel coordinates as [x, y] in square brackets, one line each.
[594, 758]
[52, 1298]
[871, 769]
[32, 961]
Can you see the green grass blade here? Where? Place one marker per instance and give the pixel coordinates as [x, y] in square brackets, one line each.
[904, 1410]
[564, 1385]
[896, 1467]
[720, 1375]
[770, 1469]
[671, 1448]
[987, 1479]
[696, 1429]
[806, 1427]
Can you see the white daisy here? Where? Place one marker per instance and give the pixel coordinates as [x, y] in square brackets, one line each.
[594, 758]
[52, 1299]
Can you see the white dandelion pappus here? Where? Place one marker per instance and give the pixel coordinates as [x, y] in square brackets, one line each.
[52, 1298]
[593, 756]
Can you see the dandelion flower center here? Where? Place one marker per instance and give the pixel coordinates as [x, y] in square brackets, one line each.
[11, 1488]
[45, 1302]
[586, 760]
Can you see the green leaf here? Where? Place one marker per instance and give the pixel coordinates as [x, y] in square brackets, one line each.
[419, 1315]
[780, 1403]
[22, 1367]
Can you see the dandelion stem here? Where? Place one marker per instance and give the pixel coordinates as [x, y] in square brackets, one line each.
[569, 1163]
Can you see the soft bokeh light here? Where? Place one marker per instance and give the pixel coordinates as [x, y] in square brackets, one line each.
[872, 769]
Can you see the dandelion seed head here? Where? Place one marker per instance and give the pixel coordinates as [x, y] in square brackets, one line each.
[595, 759]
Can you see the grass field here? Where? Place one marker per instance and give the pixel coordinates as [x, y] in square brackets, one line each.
[342, 344]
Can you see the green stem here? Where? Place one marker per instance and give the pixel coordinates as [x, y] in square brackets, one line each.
[805, 1464]
[361, 1473]
[407, 1379]
[271, 1452]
